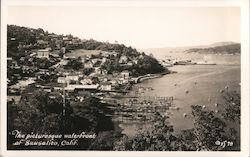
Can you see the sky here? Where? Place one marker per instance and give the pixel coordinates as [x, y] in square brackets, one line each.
[139, 27]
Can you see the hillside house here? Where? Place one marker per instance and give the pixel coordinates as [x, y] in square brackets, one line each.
[125, 74]
[98, 70]
[123, 59]
[105, 86]
[88, 64]
[86, 81]
[61, 80]
[44, 53]
[72, 78]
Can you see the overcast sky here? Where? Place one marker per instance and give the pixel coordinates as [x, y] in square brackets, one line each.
[140, 27]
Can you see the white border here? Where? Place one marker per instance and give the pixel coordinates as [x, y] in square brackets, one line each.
[243, 4]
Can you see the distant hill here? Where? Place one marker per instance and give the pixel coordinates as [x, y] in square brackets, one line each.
[226, 48]
[218, 47]
[222, 44]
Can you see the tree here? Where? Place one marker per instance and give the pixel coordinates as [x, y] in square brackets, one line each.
[95, 80]
[158, 138]
[44, 63]
[75, 64]
[41, 113]
[232, 106]
[208, 128]
[88, 71]
[147, 65]
[95, 113]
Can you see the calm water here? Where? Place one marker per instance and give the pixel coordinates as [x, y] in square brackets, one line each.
[210, 79]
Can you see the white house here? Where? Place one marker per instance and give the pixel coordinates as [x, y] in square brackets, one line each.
[123, 59]
[63, 50]
[125, 74]
[98, 70]
[104, 59]
[105, 86]
[44, 53]
[86, 81]
[61, 80]
[68, 79]
[88, 65]
[72, 78]
[122, 80]
[114, 82]
[129, 63]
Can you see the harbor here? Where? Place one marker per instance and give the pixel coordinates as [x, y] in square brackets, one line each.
[205, 85]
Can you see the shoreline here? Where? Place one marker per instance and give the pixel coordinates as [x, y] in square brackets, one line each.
[152, 76]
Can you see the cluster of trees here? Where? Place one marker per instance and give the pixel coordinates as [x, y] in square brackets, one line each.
[75, 64]
[44, 63]
[232, 110]
[42, 113]
[21, 35]
[147, 65]
[106, 46]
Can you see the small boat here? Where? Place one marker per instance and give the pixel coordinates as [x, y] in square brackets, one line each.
[174, 108]
[184, 115]
[209, 99]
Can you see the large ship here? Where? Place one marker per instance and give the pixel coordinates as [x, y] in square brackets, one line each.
[184, 62]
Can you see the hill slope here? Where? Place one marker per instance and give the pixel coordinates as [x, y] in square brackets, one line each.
[22, 40]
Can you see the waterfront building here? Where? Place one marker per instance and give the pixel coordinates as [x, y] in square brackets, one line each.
[79, 87]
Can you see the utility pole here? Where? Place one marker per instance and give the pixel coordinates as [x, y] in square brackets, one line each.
[63, 99]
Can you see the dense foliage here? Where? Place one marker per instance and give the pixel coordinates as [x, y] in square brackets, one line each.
[75, 64]
[232, 110]
[42, 113]
[147, 65]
